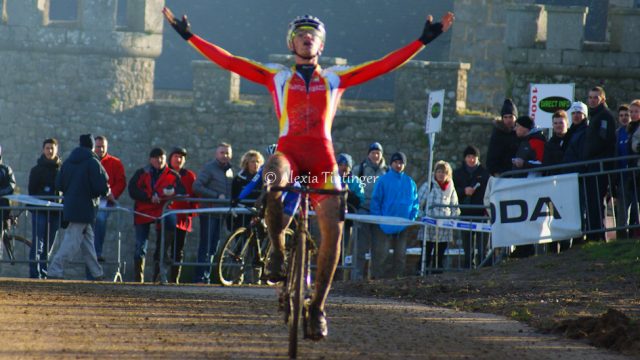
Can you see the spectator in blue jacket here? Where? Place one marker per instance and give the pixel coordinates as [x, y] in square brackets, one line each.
[395, 194]
[82, 180]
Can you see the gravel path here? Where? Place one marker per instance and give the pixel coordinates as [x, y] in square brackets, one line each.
[64, 319]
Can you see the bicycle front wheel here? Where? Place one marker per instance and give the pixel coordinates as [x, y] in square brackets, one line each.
[296, 281]
[231, 259]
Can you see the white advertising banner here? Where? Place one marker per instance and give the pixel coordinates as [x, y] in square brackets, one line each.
[534, 210]
[435, 107]
[545, 99]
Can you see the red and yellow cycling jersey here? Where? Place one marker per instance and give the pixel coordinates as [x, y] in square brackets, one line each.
[301, 112]
[305, 113]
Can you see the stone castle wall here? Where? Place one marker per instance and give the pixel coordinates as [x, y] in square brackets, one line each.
[65, 78]
[554, 51]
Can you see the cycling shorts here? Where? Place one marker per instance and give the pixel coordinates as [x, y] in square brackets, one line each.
[313, 163]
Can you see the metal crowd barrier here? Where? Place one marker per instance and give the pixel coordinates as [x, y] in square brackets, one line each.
[19, 236]
[608, 194]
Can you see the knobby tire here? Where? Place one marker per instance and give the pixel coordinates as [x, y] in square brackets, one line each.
[296, 291]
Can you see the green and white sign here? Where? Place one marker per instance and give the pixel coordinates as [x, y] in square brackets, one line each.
[435, 108]
[545, 99]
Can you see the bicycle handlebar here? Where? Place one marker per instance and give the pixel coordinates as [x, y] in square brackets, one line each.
[306, 190]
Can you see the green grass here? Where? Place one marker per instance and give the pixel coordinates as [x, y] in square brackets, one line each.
[624, 254]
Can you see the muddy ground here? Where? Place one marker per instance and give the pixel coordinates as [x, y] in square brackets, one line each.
[574, 294]
[57, 319]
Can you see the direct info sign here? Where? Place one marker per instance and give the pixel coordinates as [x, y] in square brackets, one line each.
[534, 210]
[545, 99]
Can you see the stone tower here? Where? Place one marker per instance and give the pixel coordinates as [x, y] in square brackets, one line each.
[64, 78]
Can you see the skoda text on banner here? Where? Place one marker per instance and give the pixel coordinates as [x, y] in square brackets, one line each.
[534, 210]
[545, 99]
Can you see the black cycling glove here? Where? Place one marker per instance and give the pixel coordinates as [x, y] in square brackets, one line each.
[182, 27]
[431, 32]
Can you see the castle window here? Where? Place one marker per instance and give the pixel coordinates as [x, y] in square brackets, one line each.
[63, 10]
[121, 13]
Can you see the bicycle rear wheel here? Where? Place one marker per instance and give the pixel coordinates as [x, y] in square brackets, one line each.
[296, 281]
[231, 260]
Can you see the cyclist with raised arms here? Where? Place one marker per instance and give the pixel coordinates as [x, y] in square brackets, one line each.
[306, 98]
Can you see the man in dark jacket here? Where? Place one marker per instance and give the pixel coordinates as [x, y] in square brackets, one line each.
[470, 181]
[600, 143]
[553, 149]
[82, 180]
[503, 142]
[531, 147]
[574, 141]
[45, 224]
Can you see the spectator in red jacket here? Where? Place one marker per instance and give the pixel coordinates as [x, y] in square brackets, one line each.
[151, 187]
[177, 160]
[117, 183]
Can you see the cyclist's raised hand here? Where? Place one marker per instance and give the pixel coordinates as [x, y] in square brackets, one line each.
[182, 26]
[431, 31]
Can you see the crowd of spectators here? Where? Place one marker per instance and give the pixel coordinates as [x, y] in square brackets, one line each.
[374, 188]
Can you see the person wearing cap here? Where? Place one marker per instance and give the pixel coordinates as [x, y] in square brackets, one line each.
[305, 98]
[368, 171]
[177, 161]
[45, 224]
[600, 143]
[355, 197]
[150, 188]
[531, 147]
[82, 181]
[213, 181]
[394, 194]
[470, 181]
[117, 184]
[503, 142]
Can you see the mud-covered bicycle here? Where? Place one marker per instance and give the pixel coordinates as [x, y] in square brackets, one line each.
[297, 288]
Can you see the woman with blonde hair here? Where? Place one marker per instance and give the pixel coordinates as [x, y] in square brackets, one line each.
[442, 192]
[250, 163]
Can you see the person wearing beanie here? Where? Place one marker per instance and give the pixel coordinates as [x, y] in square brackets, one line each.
[87, 141]
[503, 142]
[45, 224]
[82, 181]
[177, 161]
[394, 194]
[367, 171]
[531, 147]
[150, 188]
[470, 181]
[375, 146]
[574, 141]
[117, 183]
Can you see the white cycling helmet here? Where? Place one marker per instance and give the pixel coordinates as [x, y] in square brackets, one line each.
[307, 21]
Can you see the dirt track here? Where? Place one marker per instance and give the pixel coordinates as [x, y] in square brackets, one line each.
[56, 319]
